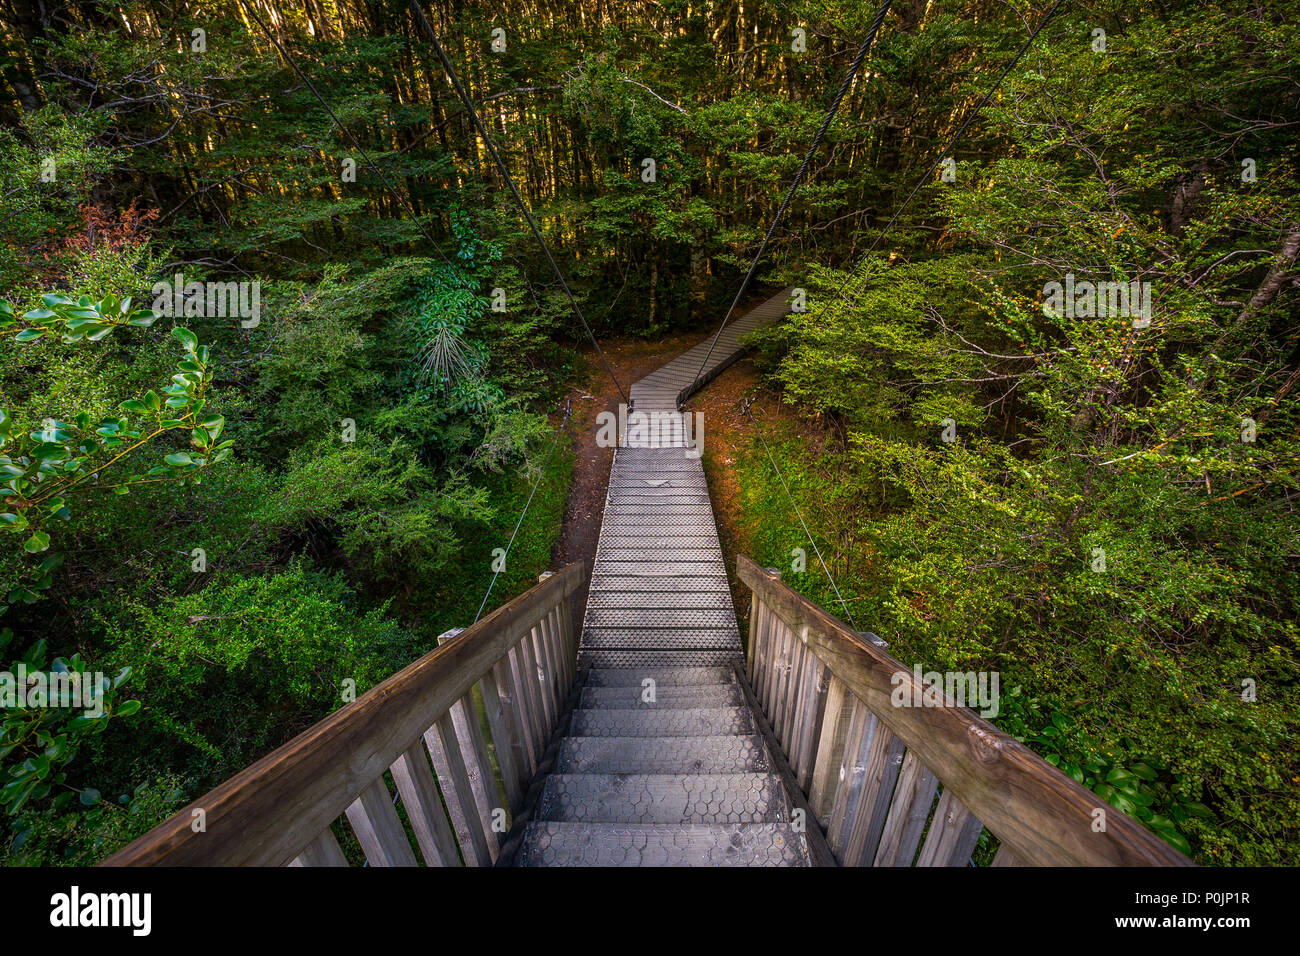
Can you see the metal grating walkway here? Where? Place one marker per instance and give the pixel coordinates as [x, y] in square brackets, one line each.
[663, 763]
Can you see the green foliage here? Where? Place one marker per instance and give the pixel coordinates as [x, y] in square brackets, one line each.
[1106, 522]
[43, 728]
[242, 665]
[53, 837]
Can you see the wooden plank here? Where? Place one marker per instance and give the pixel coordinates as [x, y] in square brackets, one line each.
[378, 828]
[557, 649]
[908, 811]
[762, 657]
[785, 651]
[954, 831]
[771, 641]
[461, 812]
[1043, 815]
[324, 851]
[1004, 857]
[568, 653]
[853, 771]
[529, 678]
[549, 638]
[793, 693]
[266, 814]
[478, 766]
[873, 807]
[830, 749]
[527, 707]
[503, 739]
[424, 808]
[513, 708]
[474, 842]
[812, 708]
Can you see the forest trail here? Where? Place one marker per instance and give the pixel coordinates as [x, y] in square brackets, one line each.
[663, 762]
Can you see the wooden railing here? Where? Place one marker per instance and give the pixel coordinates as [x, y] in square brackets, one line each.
[511, 671]
[871, 771]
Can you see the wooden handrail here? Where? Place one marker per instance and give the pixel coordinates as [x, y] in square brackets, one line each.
[804, 665]
[279, 810]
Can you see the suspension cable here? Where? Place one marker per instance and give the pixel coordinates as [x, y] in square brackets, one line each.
[509, 544]
[966, 122]
[803, 168]
[786, 488]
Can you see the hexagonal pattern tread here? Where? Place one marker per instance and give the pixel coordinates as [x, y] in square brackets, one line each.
[551, 843]
[664, 798]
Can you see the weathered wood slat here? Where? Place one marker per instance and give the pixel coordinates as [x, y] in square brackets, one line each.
[533, 678]
[908, 811]
[954, 831]
[830, 749]
[529, 722]
[473, 835]
[378, 828]
[754, 649]
[853, 775]
[461, 810]
[322, 851]
[873, 806]
[1004, 857]
[793, 694]
[785, 652]
[478, 766]
[501, 726]
[419, 793]
[549, 633]
[1043, 816]
[812, 708]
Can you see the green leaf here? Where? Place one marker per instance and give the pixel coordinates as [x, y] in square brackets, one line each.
[1119, 777]
[39, 541]
[127, 709]
[178, 459]
[29, 335]
[90, 796]
[187, 338]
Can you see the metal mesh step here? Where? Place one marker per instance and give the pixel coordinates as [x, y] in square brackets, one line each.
[664, 798]
[552, 843]
[669, 696]
[662, 598]
[672, 657]
[664, 676]
[685, 618]
[662, 722]
[658, 568]
[714, 584]
[660, 639]
[716, 754]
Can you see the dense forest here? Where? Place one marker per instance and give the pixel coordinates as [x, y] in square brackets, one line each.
[245, 515]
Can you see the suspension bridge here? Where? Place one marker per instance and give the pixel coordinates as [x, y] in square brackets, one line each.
[618, 715]
[643, 728]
